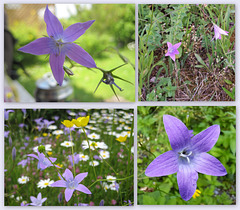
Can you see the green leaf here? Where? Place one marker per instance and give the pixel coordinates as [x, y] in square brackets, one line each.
[200, 60]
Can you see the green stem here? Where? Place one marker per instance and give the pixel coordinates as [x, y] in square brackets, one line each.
[54, 166]
[74, 171]
[101, 180]
[90, 154]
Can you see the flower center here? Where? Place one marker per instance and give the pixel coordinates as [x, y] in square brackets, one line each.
[170, 50]
[185, 155]
[71, 184]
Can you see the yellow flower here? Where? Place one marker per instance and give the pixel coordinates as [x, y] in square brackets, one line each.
[196, 194]
[49, 153]
[81, 121]
[122, 138]
[45, 134]
[60, 165]
[67, 123]
[58, 136]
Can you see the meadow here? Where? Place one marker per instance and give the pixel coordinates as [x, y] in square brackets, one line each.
[43, 147]
[154, 141]
[186, 52]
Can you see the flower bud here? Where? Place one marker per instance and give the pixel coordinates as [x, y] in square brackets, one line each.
[41, 148]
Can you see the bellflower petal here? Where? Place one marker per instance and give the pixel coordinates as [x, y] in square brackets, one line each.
[59, 183]
[177, 45]
[54, 26]
[169, 44]
[56, 63]
[74, 31]
[83, 189]
[204, 141]
[33, 155]
[164, 164]
[177, 132]
[39, 46]
[187, 181]
[68, 194]
[80, 177]
[207, 164]
[79, 55]
[68, 174]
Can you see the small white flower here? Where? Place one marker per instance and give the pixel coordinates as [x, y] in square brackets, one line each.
[23, 180]
[104, 154]
[67, 144]
[111, 178]
[19, 198]
[113, 186]
[52, 127]
[132, 149]
[72, 113]
[83, 157]
[93, 145]
[94, 136]
[105, 186]
[57, 132]
[44, 183]
[94, 163]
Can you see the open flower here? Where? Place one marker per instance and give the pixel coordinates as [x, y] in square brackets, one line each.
[122, 138]
[37, 201]
[81, 121]
[71, 184]
[59, 44]
[187, 157]
[172, 50]
[218, 31]
[43, 162]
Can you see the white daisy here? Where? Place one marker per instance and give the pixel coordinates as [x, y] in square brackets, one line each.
[72, 113]
[83, 157]
[105, 186]
[114, 186]
[104, 154]
[44, 183]
[57, 132]
[52, 127]
[67, 144]
[94, 136]
[132, 149]
[93, 145]
[94, 163]
[18, 198]
[111, 178]
[23, 180]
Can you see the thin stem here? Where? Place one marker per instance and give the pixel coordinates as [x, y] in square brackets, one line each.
[46, 155]
[74, 171]
[90, 154]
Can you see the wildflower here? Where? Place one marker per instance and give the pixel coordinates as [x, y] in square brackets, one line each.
[6, 114]
[57, 132]
[72, 184]
[24, 203]
[81, 121]
[104, 154]
[101, 203]
[94, 163]
[18, 198]
[114, 186]
[67, 144]
[122, 138]
[37, 201]
[23, 180]
[23, 162]
[93, 145]
[52, 127]
[59, 44]
[47, 148]
[83, 157]
[94, 136]
[218, 31]
[187, 157]
[68, 123]
[76, 159]
[105, 186]
[43, 162]
[172, 50]
[13, 153]
[196, 194]
[44, 183]
[111, 178]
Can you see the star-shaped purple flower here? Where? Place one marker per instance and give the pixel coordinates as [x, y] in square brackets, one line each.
[43, 162]
[172, 50]
[218, 31]
[72, 184]
[59, 44]
[188, 156]
[37, 201]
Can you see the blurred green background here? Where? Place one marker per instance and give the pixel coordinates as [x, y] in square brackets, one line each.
[112, 34]
[153, 141]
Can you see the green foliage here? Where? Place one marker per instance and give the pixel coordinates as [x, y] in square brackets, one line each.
[153, 141]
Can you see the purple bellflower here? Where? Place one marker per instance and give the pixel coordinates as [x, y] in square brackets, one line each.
[71, 184]
[37, 201]
[218, 31]
[172, 50]
[6, 114]
[60, 44]
[43, 162]
[188, 156]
